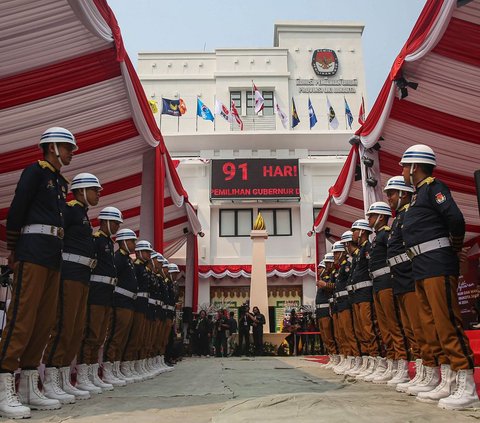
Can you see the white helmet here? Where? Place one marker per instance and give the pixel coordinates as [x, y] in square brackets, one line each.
[321, 264]
[397, 183]
[347, 237]
[58, 135]
[362, 224]
[165, 262]
[379, 207]
[338, 247]
[143, 246]
[111, 213]
[329, 258]
[85, 180]
[154, 255]
[125, 234]
[419, 153]
[173, 268]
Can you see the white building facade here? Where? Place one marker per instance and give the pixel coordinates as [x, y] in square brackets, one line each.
[309, 61]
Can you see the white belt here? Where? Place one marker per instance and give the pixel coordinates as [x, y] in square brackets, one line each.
[325, 305]
[152, 301]
[360, 285]
[75, 258]
[425, 247]
[142, 294]
[380, 272]
[125, 292]
[400, 258]
[341, 294]
[330, 300]
[349, 288]
[171, 308]
[103, 279]
[43, 230]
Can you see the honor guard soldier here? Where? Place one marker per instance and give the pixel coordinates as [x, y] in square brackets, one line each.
[378, 214]
[123, 305]
[161, 311]
[398, 195]
[78, 262]
[362, 299]
[34, 238]
[133, 348]
[346, 333]
[172, 296]
[433, 231]
[150, 323]
[102, 284]
[322, 304]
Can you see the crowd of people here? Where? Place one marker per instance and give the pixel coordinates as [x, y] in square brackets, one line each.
[73, 292]
[383, 302]
[224, 336]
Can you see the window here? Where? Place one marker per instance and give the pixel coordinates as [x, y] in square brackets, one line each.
[277, 221]
[236, 96]
[236, 222]
[250, 103]
[268, 105]
[316, 212]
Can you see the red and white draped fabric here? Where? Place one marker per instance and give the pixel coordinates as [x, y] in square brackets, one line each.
[64, 64]
[442, 55]
[245, 271]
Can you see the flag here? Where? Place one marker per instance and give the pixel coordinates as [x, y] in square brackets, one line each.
[311, 114]
[295, 118]
[281, 114]
[348, 114]
[182, 107]
[223, 111]
[203, 111]
[153, 105]
[259, 100]
[361, 113]
[170, 107]
[332, 118]
[236, 115]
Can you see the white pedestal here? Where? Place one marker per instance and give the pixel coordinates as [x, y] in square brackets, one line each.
[258, 283]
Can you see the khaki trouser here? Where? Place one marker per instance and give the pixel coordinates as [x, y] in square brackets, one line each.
[345, 320]
[325, 325]
[118, 330]
[340, 342]
[30, 317]
[440, 315]
[135, 338]
[147, 349]
[157, 342]
[409, 305]
[165, 334]
[364, 325]
[67, 334]
[96, 325]
[388, 324]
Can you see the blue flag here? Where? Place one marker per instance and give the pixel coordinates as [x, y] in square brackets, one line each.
[295, 118]
[171, 107]
[311, 114]
[203, 111]
[348, 114]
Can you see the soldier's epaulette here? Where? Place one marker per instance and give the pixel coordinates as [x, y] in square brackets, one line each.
[429, 180]
[138, 261]
[98, 234]
[45, 165]
[72, 203]
[387, 228]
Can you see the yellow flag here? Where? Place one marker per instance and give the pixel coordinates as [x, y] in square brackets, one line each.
[153, 106]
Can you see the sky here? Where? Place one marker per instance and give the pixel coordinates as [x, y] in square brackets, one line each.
[192, 25]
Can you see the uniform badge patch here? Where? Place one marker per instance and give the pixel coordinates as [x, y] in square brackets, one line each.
[50, 184]
[440, 198]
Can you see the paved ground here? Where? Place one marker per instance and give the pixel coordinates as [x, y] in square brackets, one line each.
[267, 389]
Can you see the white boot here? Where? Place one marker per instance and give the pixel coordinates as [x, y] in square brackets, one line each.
[371, 366]
[380, 367]
[348, 365]
[386, 375]
[322, 365]
[402, 374]
[83, 381]
[169, 367]
[95, 379]
[356, 368]
[338, 367]
[69, 388]
[134, 372]
[147, 373]
[159, 366]
[52, 388]
[428, 383]
[419, 370]
[444, 389]
[109, 377]
[334, 361]
[465, 395]
[31, 396]
[10, 405]
[123, 369]
[137, 365]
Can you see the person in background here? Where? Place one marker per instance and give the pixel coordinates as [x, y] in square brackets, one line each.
[233, 329]
[220, 328]
[244, 323]
[202, 333]
[291, 326]
[258, 322]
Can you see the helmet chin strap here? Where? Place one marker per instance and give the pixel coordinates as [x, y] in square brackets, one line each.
[411, 175]
[85, 197]
[57, 153]
[376, 222]
[399, 200]
[126, 247]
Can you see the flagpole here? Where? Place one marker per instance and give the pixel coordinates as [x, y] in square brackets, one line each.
[345, 111]
[161, 113]
[214, 114]
[253, 104]
[178, 117]
[196, 117]
[328, 113]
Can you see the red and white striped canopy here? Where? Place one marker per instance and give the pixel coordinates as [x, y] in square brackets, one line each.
[245, 270]
[64, 64]
[442, 55]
